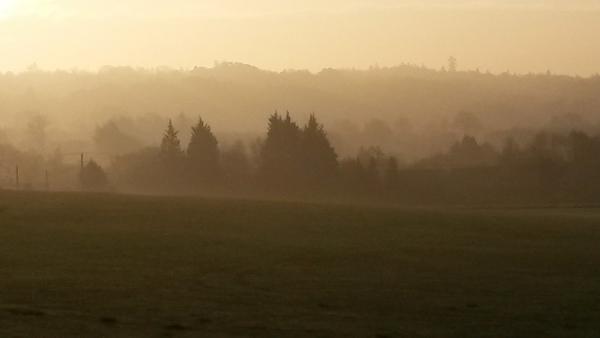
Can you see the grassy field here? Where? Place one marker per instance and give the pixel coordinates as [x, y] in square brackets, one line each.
[76, 265]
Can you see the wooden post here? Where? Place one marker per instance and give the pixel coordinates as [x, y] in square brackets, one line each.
[17, 176]
[47, 181]
[81, 174]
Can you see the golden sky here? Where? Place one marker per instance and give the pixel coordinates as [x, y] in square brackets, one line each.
[499, 35]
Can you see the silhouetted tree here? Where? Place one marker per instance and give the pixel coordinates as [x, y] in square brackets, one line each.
[203, 153]
[280, 158]
[93, 177]
[469, 153]
[170, 147]
[319, 157]
[172, 159]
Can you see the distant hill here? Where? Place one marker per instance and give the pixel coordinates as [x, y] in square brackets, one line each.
[236, 97]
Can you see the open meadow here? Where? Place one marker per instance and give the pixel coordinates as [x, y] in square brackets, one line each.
[79, 265]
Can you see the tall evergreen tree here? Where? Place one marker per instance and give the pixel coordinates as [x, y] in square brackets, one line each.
[172, 160]
[170, 147]
[280, 154]
[319, 158]
[203, 152]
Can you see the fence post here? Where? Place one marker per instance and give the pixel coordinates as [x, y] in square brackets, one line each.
[81, 174]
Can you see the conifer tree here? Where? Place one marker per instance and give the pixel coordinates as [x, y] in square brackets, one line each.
[280, 154]
[170, 147]
[203, 152]
[319, 157]
[172, 160]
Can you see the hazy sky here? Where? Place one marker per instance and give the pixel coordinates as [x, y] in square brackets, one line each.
[499, 35]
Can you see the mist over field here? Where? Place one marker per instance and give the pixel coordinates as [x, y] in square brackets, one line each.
[279, 168]
[409, 101]
[418, 117]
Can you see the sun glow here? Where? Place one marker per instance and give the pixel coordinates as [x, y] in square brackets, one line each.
[6, 7]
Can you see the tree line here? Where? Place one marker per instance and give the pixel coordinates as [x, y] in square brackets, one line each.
[299, 161]
[291, 158]
[408, 110]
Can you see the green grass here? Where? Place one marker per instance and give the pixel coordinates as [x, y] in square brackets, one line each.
[75, 265]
